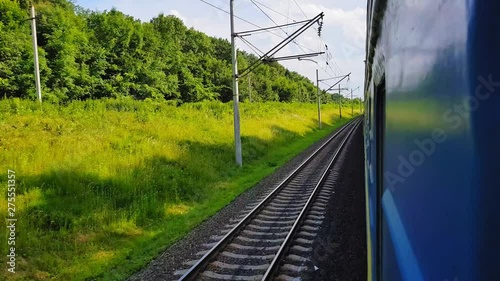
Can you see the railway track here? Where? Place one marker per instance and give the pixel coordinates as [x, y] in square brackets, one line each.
[262, 245]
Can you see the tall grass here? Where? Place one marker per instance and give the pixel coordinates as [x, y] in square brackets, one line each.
[104, 185]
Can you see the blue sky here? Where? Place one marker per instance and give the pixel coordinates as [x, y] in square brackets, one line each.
[343, 29]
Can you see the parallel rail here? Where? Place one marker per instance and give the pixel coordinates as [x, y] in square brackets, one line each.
[274, 266]
[289, 202]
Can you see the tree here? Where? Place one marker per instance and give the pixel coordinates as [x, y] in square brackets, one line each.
[87, 54]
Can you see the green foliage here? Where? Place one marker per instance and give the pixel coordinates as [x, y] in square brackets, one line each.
[96, 199]
[89, 55]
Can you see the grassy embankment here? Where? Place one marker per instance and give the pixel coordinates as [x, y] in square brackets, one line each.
[104, 186]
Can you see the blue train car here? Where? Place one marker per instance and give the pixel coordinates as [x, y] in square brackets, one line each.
[432, 139]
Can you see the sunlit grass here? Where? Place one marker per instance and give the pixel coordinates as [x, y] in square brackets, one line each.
[104, 186]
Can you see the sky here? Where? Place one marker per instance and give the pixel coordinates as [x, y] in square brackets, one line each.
[343, 30]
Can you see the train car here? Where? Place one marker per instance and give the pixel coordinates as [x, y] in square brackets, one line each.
[432, 139]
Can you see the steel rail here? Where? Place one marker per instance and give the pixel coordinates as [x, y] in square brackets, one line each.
[274, 266]
[194, 270]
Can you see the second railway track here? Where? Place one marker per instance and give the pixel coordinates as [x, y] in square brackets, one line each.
[255, 247]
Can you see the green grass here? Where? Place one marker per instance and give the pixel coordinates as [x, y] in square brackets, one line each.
[104, 186]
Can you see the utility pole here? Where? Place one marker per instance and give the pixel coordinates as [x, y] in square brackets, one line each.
[352, 105]
[352, 101]
[320, 126]
[267, 57]
[35, 51]
[340, 103]
[319, 100]
[236, 109]
[249, 87]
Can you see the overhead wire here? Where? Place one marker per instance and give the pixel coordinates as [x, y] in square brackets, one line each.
[252, 46]
[283, 15]
[253, 24]
[300, 8]
[258, 7]
[326, 57]
[222, 10]
[250, 32]
[293, 41]
[287, 14]
[328, 54]
[331, 58]
[277, 12]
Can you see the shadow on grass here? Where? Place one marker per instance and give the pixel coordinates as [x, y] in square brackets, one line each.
[74, 200]
[81, 220]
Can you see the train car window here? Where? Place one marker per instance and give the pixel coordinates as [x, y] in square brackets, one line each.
[379, 108]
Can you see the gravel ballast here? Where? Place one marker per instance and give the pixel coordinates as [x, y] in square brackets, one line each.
[340, 250]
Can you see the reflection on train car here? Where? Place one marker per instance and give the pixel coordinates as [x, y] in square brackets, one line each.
[432, 139]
